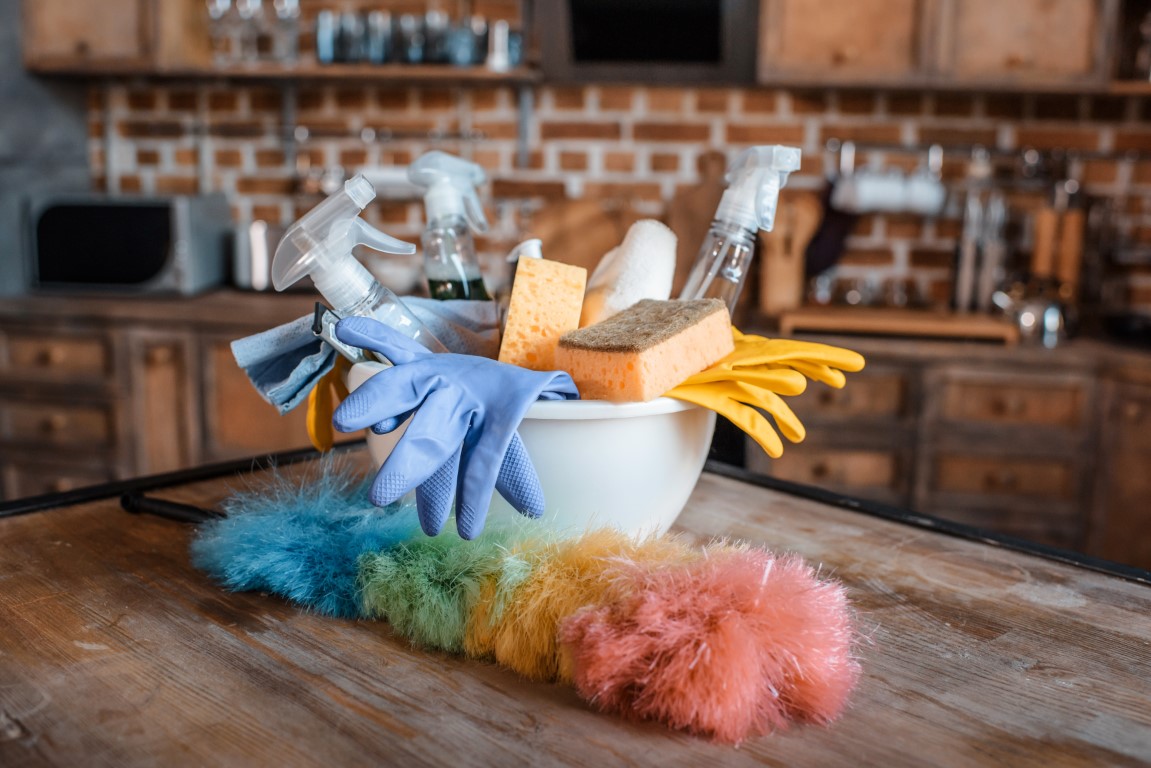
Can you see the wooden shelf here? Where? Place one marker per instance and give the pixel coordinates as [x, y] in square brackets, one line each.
[875, 321]
[387, 73]
[1131, 87]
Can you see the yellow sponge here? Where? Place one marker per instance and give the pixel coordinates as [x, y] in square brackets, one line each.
[546, 300]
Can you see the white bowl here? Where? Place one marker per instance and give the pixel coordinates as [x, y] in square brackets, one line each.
[627, 465]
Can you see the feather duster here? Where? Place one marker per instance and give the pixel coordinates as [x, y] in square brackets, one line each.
[427, 588]
[301, 538]
[729, 645]
[561, 578]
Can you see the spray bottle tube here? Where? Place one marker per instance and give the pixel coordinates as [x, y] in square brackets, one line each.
[748, 204]
[320, 245]
[453, 210]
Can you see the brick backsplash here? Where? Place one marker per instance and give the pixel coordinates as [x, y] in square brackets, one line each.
[632, 146]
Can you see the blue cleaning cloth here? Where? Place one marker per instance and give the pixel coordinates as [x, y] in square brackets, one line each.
[285, 363]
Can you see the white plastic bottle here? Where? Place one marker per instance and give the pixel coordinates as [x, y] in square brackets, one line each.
[320, 245]
[748, 204]
[453, 210]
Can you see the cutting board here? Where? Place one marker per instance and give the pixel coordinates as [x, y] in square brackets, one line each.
[580, 232]
[783, 250]
[690, 212]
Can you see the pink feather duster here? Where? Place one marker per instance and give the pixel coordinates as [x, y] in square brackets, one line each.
[732, 645]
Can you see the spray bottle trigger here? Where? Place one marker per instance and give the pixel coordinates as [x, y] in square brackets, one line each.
[364, 233]
[474, 210]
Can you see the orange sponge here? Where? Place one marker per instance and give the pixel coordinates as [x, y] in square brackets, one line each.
[645, 350]
[546, 300]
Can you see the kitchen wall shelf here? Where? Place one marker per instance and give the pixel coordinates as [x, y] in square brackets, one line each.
[386, 73]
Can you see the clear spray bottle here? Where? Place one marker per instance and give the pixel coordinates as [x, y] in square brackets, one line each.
[320, 245]
[754, 180]
[453, 211]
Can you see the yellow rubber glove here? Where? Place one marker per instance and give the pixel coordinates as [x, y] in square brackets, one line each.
[754, 376]
[738, 401]
[820, 362]
[329, 391]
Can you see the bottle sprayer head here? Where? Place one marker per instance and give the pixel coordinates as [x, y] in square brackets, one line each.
[450, 183]
[754, 180]
[320, 245]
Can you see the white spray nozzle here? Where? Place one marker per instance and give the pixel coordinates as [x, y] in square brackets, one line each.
[754, 180]
[450, 183]
[320, 245]
[528, 249]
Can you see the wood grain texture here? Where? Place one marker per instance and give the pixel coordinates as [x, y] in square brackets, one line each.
[115, 651]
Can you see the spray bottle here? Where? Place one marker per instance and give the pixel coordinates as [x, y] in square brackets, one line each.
[748, 204]
[320, 245]
[453, 210]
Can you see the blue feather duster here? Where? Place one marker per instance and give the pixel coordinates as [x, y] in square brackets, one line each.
[301, 538]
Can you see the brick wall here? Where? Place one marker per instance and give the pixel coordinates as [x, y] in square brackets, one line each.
[631, 145]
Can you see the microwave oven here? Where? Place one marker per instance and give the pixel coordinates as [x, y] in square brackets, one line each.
[161, 244]
[679, 42]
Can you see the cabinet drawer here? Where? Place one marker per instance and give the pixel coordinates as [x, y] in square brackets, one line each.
[57, 424]
[23, 479]
[879, 395]
[848, 468]
[1043, 478]
[64, 358]
[1047, 404]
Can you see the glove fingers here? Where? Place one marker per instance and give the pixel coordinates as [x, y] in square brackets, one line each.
[434, 496]
[783, 381]
[785, 418]
[757, 350]
[518, 482]
[745, 418]
[368, 333]
[481, 464]
[382, 399]
[832, 377]
[433, 436]
[391, 423]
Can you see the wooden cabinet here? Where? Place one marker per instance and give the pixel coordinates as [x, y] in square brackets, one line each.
[940, 43]
[1120, 528]
[98, 390]
[1025, 41]
[842, 40]
[237, 421]
[995, 442]
[858, 438]
[1007, 449]
[114, 35]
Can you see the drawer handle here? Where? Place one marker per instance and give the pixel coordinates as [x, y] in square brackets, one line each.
[1002, 480]
[1009, 406]
[826, 397]
[820, 470]
[845, 55]
[53, 424]
[159, 355]
[1133, 412]
[62, 485]
[49, 357]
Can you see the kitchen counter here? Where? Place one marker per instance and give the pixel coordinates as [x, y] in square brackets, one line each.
[115, 651]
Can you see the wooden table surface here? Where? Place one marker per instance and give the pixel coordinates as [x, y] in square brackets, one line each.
[114, 651]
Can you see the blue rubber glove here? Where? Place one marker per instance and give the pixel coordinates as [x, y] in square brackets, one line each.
[464, 414]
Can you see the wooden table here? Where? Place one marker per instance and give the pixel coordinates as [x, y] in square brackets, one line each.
[115, 651]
